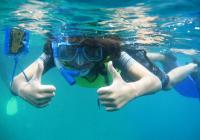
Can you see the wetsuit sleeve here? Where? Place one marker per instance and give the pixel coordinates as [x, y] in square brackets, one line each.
[124, 61]
[127, 59]
[48, 62]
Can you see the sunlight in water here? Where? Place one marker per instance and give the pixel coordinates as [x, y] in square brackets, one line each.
[35, 13]
[12, 106]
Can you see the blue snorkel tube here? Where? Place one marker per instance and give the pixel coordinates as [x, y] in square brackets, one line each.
[66, 73]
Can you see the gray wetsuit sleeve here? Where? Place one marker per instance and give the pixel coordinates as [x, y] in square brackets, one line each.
[48, 61]
[124, 62]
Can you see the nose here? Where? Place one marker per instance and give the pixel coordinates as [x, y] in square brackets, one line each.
[80, 59]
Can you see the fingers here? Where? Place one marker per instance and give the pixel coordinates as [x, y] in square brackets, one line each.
[110, 101]
[104, 90]
[42, 96]
[39, 71]
[106, 99]
[42, 100]
[46, 92]
[43, 105]
[47, 89]
[111, 106]
[108, 104]
[40, 103]
[111, 109]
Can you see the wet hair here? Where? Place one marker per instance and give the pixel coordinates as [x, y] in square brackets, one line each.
[111, 47]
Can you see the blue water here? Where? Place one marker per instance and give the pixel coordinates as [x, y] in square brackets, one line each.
[73, 114]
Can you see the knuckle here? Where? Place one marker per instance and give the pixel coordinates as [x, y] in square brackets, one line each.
[112, 98]
[37, 105]
[118, 107]
[40, 105]
[114, 103]
[39, 97]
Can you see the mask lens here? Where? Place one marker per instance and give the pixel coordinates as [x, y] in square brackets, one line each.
[93, 53]
[67, 52]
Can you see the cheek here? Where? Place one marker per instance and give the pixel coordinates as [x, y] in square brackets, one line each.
[86, 65]
[92, 65]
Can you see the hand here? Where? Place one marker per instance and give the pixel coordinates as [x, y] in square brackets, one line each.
[118, 94]
[34, 92]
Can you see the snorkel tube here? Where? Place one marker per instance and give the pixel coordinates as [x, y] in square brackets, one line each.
[66, 73]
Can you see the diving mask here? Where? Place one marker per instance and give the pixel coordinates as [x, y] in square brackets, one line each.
[68, 52]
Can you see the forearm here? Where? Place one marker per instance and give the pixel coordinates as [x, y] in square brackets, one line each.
[144, 86]
[146, 82]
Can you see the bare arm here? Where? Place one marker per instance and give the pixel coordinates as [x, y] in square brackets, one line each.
[147, 82]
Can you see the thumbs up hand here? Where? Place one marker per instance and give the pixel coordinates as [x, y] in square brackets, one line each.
[33, 91]
[116, 95]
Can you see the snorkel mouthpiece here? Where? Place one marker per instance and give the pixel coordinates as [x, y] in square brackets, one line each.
[69, 75]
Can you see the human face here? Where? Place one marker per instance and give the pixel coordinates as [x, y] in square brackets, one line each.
[82, 58]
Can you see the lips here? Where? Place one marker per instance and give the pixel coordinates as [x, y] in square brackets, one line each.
[81, 67]
[85, 66]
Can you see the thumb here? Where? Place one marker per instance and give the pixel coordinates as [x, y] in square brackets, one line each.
[113, 71]
[39, 70]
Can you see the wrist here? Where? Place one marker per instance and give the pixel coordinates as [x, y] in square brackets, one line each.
[133, 90]
[145, 86]
[16, 85]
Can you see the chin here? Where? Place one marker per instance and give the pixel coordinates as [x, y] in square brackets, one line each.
[84, 72]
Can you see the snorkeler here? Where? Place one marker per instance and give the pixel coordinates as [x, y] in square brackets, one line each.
[83, 60]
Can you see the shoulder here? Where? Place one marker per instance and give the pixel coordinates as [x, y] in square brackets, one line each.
[135, 53]
[47, 49]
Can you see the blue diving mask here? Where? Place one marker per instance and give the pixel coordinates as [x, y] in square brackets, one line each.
[68, 52]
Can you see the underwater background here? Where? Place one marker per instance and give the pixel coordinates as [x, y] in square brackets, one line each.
[73, 113]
